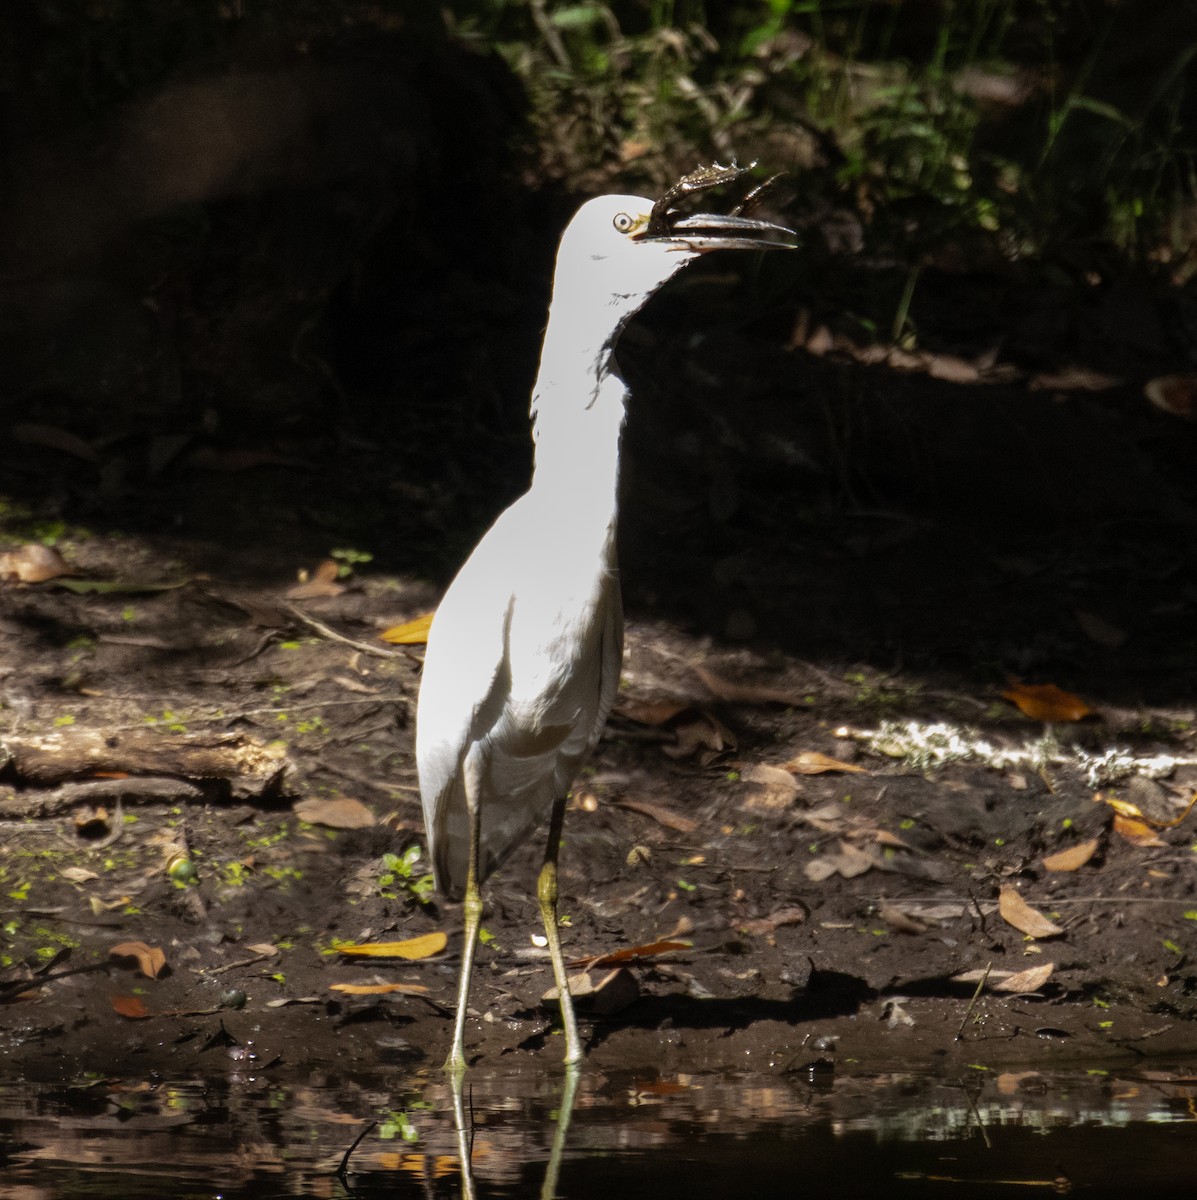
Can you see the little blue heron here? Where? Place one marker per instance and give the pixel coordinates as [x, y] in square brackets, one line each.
[524, 652]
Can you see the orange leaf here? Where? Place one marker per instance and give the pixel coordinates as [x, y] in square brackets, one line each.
[130, 1006]
[410, 633]
[633, 954]
[811, 762]
[1072, 858]
[151, 961]
[379, 989]
[420, 947]
[1046, 702]
[324, 582]
[1138, 833]
[1016, 911]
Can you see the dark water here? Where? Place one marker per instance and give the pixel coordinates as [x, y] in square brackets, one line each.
[1091, 1134]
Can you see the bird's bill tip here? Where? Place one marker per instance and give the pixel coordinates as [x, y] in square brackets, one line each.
[704, 232]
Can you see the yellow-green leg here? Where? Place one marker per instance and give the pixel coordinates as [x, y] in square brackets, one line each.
[546, 894]
[472, 907]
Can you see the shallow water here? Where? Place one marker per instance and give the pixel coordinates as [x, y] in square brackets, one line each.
[813, 1133]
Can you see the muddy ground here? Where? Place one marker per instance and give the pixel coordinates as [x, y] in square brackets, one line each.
[823, 555]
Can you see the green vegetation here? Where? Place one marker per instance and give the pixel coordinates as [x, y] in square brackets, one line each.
[1024, 124]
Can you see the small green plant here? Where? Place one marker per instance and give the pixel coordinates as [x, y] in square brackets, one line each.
[398, 1125]
[399, 876]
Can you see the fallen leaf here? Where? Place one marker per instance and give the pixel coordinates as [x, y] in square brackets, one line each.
[55, 439]
[77, 874]
[848, 862]
[336, 812]
[613, 992]
[1046, 702]
[132, 1007]
[1174, 394]
[1014, 910]
[1030, 980]
[771, 787]
[899, 921]
[324, 582]
[410, 633]
[1099, 630]
[412, 948]
[1073, 858]
[33, 563]
[731, 692]
[812, 762]
[151, 961]
[633, 954]
[699, 731]
[659, 813]
[650, 712]
[110, 587]
[1137, 832]
[763, 926]
[379, 989]
[265, 949]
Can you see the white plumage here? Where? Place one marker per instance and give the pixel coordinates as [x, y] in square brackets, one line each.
[524, 653]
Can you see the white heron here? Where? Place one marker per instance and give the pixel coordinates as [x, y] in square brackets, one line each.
[524, 652]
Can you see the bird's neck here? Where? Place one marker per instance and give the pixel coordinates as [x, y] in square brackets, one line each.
[578, 412]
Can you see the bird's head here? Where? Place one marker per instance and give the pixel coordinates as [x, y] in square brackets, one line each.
[618, 250]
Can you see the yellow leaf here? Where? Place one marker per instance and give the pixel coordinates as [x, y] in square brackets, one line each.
[1046, 702]
[379, 989]
[1138, 833]
[1016, 911]
[633, 953]
[811, 762]
[410, 633]
[420, 947]
[1073, 858]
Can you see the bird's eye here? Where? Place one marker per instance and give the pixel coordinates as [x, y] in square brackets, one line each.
[623, 223]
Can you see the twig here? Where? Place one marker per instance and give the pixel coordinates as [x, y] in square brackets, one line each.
[330, 633]
[972, 1003]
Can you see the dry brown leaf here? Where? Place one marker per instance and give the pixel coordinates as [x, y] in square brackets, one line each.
[1014, 910]
[731, 692]
[1137, 832]
[771, 787]
[336, 812]
[899, 921]
[633, 953]
[151, 961]
[659, 813]
[132, 1007]
[78, 874]
[54, 438]
[1073, 858]
[324, 582]
[614, 991]
[379, 989]
[33, 563]
[1099, 630]
[650, 712]
[883, 837]
[412, 948]
[848, 862]
[410, 633]
[700, 732]
[1046, 702]
[1174, 394]
[763, 926]
[265, 949]
[812, 762]
[1030, 980]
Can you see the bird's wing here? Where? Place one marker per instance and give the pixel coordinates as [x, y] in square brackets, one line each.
[463, 690]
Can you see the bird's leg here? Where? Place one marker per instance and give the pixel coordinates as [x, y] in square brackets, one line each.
[472, 906]
[546, 893]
